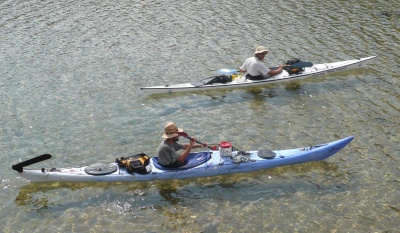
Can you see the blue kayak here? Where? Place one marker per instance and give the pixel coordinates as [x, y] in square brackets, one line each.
[199, 164]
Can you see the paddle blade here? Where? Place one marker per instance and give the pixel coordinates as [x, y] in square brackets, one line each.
[183, 134]
[19, 167]
[227, 71]
[301, 64]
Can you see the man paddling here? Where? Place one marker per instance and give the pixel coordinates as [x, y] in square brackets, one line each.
[167, 151]
[256, 69]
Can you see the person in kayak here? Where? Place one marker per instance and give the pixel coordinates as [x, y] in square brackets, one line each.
[167, 151]
[256, 69]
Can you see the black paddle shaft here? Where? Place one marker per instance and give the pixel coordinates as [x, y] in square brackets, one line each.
[19, 167]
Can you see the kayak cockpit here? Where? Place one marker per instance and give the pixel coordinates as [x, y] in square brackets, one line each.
[193, 160]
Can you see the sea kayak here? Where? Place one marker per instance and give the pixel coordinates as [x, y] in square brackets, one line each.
[200, 164]
[217, 82]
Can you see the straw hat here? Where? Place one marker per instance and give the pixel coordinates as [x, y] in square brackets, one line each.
[261, 49]
[170, 130]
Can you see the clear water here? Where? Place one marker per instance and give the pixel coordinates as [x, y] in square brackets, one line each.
[71, 73]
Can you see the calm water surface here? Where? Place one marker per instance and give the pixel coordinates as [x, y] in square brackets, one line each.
[71, 73]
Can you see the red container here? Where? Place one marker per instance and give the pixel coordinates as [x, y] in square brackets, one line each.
[225, 148]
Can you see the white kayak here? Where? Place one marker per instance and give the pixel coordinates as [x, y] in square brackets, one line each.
[212, 84]
[200, 164]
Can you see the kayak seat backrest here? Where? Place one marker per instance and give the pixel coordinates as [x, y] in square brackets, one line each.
[193, 160]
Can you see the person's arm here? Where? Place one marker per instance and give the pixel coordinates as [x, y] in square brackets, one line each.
[276, 71]
[198, 145]
[185, 153]
[243, 69]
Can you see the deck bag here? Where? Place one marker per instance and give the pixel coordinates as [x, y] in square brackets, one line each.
[135, 163]
[292, 70]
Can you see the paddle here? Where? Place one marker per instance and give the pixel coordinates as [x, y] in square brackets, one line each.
[19, 167]
[183, 134]
[301, 64]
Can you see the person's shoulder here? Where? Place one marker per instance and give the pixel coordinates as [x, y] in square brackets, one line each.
[249, 58]
[164, 144]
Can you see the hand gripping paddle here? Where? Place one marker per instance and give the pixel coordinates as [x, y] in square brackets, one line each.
[183, 134]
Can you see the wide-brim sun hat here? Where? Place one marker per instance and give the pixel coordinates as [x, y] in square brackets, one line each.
[171, 130]
[261, 49]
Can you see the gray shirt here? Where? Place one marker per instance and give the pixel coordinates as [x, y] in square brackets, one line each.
[167, 153]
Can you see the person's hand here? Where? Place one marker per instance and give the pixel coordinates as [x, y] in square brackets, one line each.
[192, 142]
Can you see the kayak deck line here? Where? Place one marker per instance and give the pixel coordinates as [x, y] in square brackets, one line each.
[284, 76]
[213, 164]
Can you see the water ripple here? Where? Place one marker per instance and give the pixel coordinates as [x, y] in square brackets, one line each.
[71, 73]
